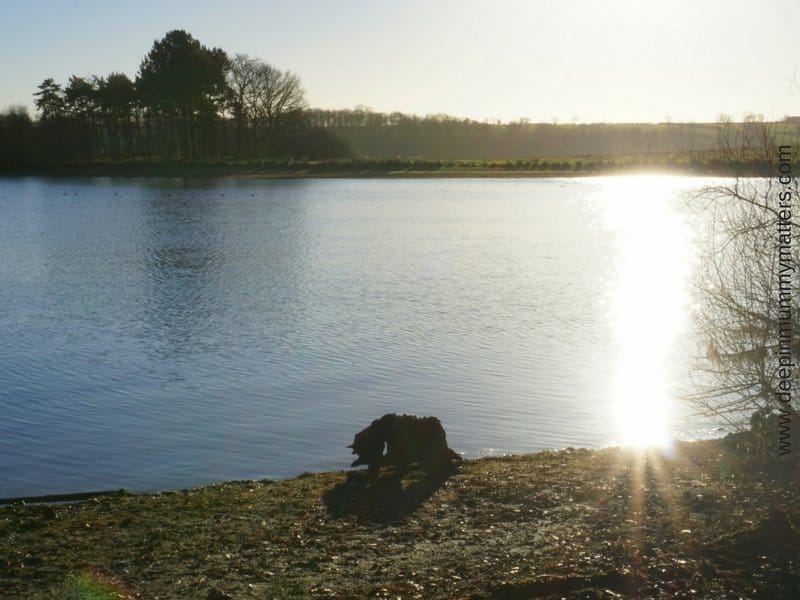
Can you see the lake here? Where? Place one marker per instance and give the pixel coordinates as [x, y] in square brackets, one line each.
[166, 333]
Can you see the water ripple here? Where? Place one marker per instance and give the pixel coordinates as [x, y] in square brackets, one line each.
[156, 334]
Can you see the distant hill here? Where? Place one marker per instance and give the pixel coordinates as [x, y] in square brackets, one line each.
[441, 137]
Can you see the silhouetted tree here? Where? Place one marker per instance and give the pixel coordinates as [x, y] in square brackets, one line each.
[50, 99]
[50, 102]
[267, 102]
[16, 138]
[242, 83]
[188, 101]
[80, 100]
[117, 99]
[183, 82]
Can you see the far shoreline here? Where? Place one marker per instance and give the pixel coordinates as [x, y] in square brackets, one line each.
[557, 167]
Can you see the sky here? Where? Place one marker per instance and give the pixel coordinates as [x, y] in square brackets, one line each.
[576, 61]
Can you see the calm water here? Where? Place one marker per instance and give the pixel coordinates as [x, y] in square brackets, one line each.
[162, 334]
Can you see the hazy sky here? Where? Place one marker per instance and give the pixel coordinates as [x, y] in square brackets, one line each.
[617, 60]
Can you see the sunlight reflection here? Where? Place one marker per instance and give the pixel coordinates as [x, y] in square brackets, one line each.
[649, 302]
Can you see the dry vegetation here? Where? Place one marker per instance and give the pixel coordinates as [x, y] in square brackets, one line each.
[708, 523]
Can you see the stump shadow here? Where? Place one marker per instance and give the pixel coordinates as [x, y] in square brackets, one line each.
[388, 499]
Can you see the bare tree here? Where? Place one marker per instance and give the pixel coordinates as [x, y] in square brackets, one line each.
[279, 98]
[748, 315]
[242, 78]
[263, 98]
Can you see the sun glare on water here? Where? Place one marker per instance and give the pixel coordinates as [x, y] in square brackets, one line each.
[649, 303]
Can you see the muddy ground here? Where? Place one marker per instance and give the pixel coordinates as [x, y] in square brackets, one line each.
[711, 521]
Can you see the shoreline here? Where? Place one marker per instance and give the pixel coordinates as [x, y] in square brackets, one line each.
[380, 169]
[82, 496]
[575, 523]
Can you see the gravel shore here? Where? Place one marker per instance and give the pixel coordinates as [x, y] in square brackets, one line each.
[707, 522]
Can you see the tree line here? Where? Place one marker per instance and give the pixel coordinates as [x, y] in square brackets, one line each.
[189, 102]
[186, 102]
[444, 137]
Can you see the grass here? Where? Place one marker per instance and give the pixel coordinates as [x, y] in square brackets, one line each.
[699, 163]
